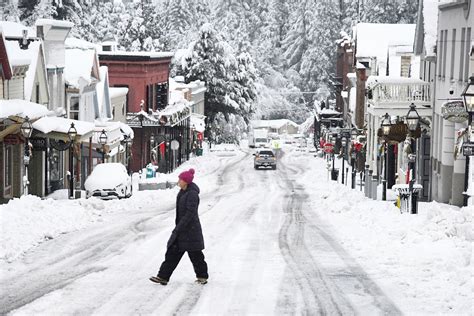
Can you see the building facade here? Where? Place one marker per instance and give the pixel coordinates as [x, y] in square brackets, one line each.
[455, 36]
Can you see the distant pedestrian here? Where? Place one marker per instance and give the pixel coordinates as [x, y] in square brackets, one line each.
[187, 235]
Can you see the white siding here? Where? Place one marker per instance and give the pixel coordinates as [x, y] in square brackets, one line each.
[16, 88]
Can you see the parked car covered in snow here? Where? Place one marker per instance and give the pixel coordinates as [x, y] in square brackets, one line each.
[109, 181]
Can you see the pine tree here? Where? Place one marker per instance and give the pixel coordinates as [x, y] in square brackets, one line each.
[42, 10]
[10, 12]
[229, 80]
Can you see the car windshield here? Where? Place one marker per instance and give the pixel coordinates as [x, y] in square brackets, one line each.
[266, 153]
[261, 140]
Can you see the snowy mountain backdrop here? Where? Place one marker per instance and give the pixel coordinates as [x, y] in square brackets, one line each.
[257, 57]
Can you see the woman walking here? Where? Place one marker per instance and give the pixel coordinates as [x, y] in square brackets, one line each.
[187, 235]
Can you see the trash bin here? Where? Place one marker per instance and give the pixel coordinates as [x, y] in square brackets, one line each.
[408, 203]
[334, 174]
[199, 152]
[150, 172]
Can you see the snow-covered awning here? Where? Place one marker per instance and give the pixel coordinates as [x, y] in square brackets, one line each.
[112, 130]
[127, 131]
[22, 108]
[197, 121]
[58, 127]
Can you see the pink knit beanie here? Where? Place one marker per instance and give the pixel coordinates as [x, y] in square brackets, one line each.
[187, 176]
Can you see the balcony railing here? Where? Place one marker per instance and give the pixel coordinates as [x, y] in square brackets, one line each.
[400, 93]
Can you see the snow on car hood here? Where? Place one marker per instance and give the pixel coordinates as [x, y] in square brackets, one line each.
[106, 176]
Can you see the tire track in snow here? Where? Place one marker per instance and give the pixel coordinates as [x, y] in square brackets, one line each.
[62, 269]
[227, 229]
[315, 292]
[350, 279]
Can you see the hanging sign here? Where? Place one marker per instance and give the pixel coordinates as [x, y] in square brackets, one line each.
[39, 143]
[468, 149]
[454, 111]
[59, 144]
[12, 139]
[328, 148]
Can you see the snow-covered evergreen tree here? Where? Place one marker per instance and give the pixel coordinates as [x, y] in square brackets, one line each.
[10, 12]
[229, 80]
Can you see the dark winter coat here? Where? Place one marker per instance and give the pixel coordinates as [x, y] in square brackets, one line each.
[187, 233]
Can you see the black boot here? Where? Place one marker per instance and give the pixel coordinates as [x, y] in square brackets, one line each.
[159, 280]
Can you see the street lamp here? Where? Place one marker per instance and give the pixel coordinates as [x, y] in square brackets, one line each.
[343, 145]
[72, 133]
[468, 96]
[385, 124]
[103, 142]
[26, 130]
[354, 134]
[413, 120]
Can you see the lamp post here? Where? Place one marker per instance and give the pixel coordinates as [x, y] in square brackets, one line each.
[353, 157]
[385, 131]
[103, 142]
[468, 96]
[26, 130]
[343, 144]
[72, 133]
[413, 119]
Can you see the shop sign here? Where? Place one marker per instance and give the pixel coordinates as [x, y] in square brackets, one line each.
[39, 143]
[468, 149]
[328, 148]
[12, 139]
[454, 111]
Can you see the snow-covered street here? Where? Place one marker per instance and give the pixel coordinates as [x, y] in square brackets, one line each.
[277, 242]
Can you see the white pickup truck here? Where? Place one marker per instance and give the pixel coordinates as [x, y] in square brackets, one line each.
[258, 138]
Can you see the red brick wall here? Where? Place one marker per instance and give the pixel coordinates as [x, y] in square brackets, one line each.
[137, 75]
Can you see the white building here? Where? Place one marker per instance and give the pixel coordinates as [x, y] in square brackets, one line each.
[455, 36]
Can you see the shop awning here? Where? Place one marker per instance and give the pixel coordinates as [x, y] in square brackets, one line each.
[21, 109]
[58, 127]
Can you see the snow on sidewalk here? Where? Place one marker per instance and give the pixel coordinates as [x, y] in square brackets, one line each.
[422, 261]
[28, 221]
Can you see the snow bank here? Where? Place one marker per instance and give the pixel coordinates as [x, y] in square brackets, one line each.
[28, 221]
[415, 258]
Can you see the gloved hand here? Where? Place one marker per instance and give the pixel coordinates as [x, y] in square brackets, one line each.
[172, 239]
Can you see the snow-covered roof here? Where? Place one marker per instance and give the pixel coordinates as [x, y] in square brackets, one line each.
[175, 105]
[115, 92]
[138, 54]
[198, 122]
[373, 80]
[126, 130]
[59, 23]
[103, 97]
[72, 42]
[306, 125]
[22, 108]
[272, 123]
[112, 129]
[14, 29]
[327, 111]
[78, 69]
[61, 125]
[18, 56]
[29, 56]
[373, 39]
